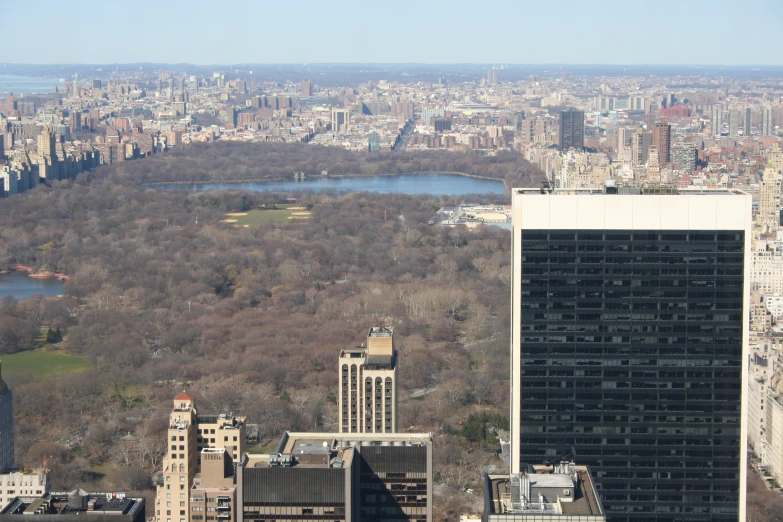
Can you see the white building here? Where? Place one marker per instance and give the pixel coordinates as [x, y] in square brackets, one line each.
[28, 482]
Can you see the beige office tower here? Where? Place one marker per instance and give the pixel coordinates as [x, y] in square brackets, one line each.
[769, 200]
[341, 120]
[47, 143]
[190, 436]
[368, 385]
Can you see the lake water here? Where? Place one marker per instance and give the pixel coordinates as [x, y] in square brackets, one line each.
[434, 184]
[22, 287]
[26, 85]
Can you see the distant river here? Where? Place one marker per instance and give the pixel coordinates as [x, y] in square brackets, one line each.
[434, 184]
[22, 287]
[26, 85]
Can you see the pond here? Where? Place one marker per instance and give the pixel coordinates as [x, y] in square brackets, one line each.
[433, 184]
[19, 285]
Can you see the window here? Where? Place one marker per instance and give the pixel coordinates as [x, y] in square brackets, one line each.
[235, 438]
[182, 479]
[168, 504]
[181, 438]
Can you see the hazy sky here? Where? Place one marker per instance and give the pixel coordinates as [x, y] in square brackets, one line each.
[723, 32]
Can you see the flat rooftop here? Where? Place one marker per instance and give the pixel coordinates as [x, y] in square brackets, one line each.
[61, 503]
[643, 190]
[585, 500]
[329, 450]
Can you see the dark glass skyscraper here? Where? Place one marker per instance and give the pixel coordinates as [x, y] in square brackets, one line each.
[572, 129]
[629, 328]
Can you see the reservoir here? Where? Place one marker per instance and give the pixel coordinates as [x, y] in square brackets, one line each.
[26, 85]
[22, 287]
[433, 184]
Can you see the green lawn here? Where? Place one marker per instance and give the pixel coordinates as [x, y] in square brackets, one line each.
[42, 365]
[258, 217]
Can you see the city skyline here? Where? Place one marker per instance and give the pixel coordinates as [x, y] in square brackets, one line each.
[512, 33]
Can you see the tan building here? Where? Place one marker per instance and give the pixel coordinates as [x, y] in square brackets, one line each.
[213, 493]
[188, 435]
[341, 120]
[769, 199]
[368, 385]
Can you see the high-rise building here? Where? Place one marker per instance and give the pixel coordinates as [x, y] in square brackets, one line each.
[716, 120]
[572, 129]
[653, 165]
[341, 120]
[432, 112]
[373, 142]
[684, 157]
[6, 423]
[47, 143]
[746, 129]
[629, 341]
[306, 87]
[662, 140]
[368, 385]
[766, 121]
[734, 119]
[188, 436]
[769, 199]
[641, 142]
[76, 120]
[339, 477]
[493, 76]
[441, 124]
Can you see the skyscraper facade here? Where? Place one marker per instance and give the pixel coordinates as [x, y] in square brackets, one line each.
[6, 426]
[368, 385]
[493, 76]
[630, 327]
[734, 119]
[662, 140]
[769, 199]
[746, 129]
[766, 121]
[341, 120]
[572, 129]
[716, 120]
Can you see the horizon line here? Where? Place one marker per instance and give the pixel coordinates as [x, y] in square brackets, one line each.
[304, 64]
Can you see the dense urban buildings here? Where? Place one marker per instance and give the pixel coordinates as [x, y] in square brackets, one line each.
[368, 385]
[629, 342]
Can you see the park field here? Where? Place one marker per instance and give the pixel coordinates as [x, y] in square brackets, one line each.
[281, 215]
[42, 365]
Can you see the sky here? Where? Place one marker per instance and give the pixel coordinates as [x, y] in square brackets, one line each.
[716, 32]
